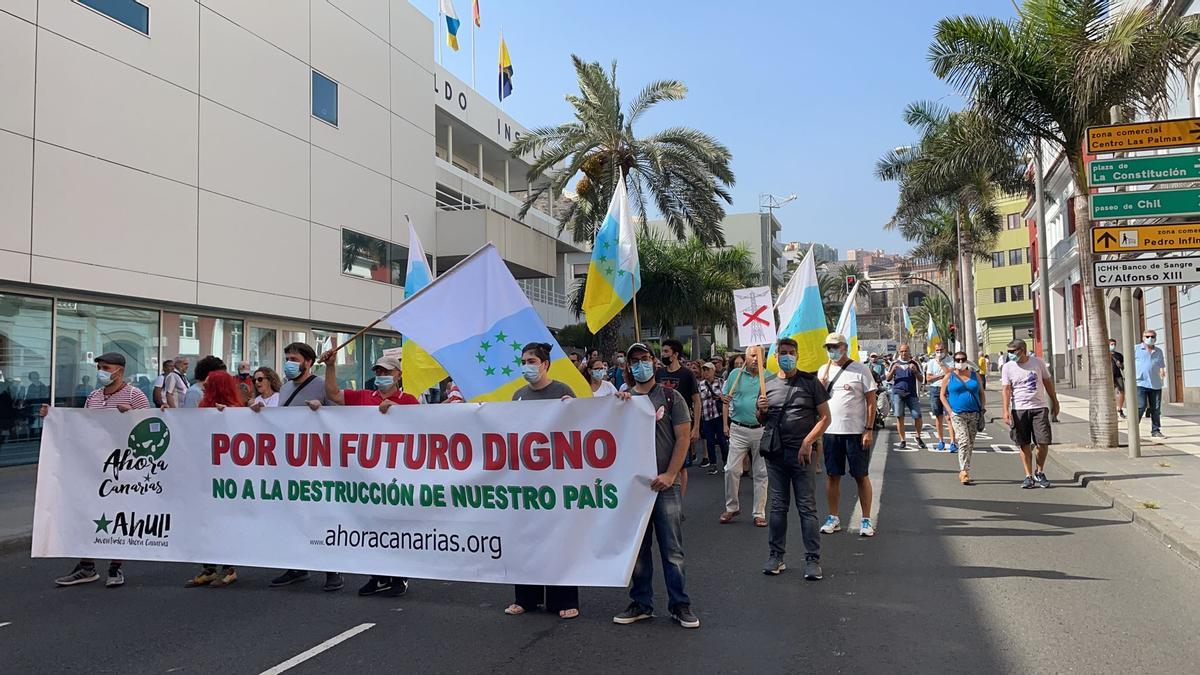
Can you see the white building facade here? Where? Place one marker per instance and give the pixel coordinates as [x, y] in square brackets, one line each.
[227, 177]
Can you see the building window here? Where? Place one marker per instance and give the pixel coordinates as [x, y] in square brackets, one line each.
[187, 328]
[1017, 293]
[1028, 258]
[372, 258]
[999, 295]
[24, 375]
[127, 12]
[997, 258]
[84, 331]
[324, 98]
[580, 270]
[1014, 256]
[1014, 221]
[201, 336]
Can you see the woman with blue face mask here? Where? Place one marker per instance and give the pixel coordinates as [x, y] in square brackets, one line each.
[535, 368]
[597, 374]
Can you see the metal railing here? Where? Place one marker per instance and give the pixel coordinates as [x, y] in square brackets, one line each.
[536, 290]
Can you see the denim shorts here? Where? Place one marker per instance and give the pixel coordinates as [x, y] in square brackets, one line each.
[842, 449]
[935, 401]
[910, 401]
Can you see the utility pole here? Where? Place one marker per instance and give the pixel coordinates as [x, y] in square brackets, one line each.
[1044, 325]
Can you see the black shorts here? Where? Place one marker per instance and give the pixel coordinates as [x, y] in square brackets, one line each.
[1119, 383]
[843, 449]
[1030, 427]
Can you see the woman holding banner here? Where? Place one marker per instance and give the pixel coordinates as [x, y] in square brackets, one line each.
[596, 373]
[535, 368]
[220, 392]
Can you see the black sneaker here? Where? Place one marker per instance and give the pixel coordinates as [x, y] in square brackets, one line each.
[289, 577]
[1157, 434]
[714, 470]
[920, 443]
[1041, 479]
[774, 566]
[1121, 413]
[333, 582]
[812, 570]
[635, 612]
[79, 575]
[1028, 483]
[683, 614]
[903, 445]
[115, 578]
[376, 585]
[705, 463]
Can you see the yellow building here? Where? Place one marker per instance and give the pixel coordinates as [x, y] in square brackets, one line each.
[1002, 299]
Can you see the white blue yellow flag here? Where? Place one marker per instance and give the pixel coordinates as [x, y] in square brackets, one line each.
[806, 325]
[421, 370]
[615, 274]
[847, 323]
[474, 320]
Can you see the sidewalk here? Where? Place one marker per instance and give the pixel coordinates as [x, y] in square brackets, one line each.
[1160, 491]
[17, 486]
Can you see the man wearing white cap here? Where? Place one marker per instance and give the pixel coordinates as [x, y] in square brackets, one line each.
[851, 389]
[386, 394]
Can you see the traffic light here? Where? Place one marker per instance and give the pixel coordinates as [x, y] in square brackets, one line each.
[951, 331]
[850, 281]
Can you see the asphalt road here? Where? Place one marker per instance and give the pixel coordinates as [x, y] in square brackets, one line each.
[989, 578]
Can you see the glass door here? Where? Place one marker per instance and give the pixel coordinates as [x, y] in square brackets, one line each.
[263, 346]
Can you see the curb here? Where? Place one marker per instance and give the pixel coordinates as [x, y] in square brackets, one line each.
[1149, 521]
[17, 543]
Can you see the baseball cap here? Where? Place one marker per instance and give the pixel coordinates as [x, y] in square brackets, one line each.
[387, 363]
[835, 339]
[707, 366]
[637, 346]
[111, 358]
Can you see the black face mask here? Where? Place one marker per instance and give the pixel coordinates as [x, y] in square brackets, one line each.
[667, 360]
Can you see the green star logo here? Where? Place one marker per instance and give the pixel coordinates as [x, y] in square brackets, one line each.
[515, 345]
[609, 269]
[603, 258]
[480, 358]
[489, 371]
[102, 524]
[506, 370]
[517, 359]
[501, 337]
[485, 345]
[620, 273]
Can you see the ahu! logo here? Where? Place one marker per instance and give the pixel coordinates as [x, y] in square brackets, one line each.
[128, 528]
[135, 469]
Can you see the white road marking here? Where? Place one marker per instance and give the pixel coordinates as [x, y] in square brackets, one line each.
[323, 647]
[5, 623]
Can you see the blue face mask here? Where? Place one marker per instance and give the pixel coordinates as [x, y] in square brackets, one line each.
[834, 354]
[385, 381]
[643, 371]
[1012, 356]
[103, 378]
[1149, 341]
[291, 370]
[598, 374]
[787, 362]
[531, 372]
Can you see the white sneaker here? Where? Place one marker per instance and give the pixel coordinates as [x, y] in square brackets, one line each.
[867, 529]
[832, 524]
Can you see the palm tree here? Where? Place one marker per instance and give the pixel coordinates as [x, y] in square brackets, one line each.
[684, 172]
[1059, 68]
[961, 164]
[937, 307]
[684, 283]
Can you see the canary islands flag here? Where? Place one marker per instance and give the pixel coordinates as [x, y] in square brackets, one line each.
[847, 324]
[614, 274]
[931, 336]
[506, 71]
[420, 369]
[807, 325]
[452, 24]
[908, 324]
[474, 320]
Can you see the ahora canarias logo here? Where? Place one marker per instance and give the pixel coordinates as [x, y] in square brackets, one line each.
[128, 528]
[135, 469]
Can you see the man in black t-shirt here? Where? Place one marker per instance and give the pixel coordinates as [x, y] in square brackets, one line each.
[1118, 367]
[673, 375]
[797, 405]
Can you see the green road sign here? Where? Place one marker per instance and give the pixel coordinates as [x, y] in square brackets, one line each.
[1145, 204]
[1134, 170]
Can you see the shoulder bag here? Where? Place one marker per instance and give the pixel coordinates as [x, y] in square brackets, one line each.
[771, 444]
[297, 390]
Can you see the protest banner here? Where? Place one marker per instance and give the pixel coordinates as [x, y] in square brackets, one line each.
[755, 320]
[535, 492]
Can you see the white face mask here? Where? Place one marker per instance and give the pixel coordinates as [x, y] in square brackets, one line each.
[960, 365]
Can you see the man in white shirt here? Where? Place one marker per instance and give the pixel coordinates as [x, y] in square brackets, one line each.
[851, 389]
[175, 383]
[936, 369]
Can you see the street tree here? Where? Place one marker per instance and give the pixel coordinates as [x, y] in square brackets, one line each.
[683, 173]
[1058, 68]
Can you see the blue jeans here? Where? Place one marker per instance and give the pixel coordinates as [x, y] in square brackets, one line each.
[1152, 399]
[786, 477]
[666, 525]
[713, 432]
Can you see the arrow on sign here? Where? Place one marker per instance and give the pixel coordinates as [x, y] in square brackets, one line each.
[1107, 239]
[756, 316]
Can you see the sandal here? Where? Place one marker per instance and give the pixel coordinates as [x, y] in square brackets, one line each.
[568, 614]
[965, 478]
[514, 610]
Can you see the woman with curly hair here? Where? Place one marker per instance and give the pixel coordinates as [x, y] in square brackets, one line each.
[220, 392]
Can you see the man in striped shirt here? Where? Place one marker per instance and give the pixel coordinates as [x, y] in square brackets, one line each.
[114, 392]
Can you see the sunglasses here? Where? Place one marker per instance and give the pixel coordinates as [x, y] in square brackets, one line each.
[260, 379]
[960, 360]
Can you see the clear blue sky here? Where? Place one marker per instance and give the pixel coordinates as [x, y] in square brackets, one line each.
[807, 95]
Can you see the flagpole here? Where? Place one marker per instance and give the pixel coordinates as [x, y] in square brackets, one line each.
[473, 48]
[441, 43]
[637, 326]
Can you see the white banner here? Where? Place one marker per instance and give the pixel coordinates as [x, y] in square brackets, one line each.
[536, 492]
[755, 318]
